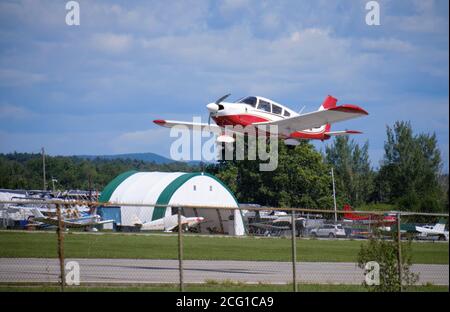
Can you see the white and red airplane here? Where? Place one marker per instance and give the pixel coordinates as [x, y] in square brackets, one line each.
[259, 112]
[388, 219]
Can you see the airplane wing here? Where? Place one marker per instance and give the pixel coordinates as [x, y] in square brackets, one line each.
[75, 224]
[316, 119]
[104, 222]
[270, 226]
[189, 125]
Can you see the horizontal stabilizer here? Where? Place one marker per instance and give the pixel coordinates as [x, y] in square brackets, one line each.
[344, 132]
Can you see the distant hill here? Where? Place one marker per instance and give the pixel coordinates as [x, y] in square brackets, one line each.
[147, 157]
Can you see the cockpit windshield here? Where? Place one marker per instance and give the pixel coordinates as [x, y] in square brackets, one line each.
[250, 100]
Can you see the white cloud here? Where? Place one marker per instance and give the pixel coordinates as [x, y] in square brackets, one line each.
[112, 43]
[230, 5]
[387, 44]
[156, 140]
[172, 57]
[425, 19]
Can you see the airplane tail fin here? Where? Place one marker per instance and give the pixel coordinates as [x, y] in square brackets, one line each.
[136, 221]
[328, 103]
[338, 133]
[348, 214]
[37, 213]
[440, 226]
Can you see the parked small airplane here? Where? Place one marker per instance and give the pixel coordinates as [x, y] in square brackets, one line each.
[259, 113]
[368, 218]
[86, 221]
[437, 230]
[167, 224]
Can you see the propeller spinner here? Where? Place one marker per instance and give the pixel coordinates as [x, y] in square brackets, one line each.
[216, 106]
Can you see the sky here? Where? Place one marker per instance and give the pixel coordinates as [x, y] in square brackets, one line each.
[95, 88]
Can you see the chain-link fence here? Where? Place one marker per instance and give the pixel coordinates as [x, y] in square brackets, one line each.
[80, 245]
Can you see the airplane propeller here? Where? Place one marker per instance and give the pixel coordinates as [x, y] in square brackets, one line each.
[222, 98]
[214, 107]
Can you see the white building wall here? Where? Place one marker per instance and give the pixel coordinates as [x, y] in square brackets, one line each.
[209, 192]
[146, 187]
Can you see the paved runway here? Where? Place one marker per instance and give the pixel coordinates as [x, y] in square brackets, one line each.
[196, 271]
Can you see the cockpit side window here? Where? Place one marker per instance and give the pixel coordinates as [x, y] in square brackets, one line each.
[286, 113]
[276, 109]
[263, 105]
[251, 100]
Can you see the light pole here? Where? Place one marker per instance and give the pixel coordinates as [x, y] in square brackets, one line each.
[43, 170]
[334, 196]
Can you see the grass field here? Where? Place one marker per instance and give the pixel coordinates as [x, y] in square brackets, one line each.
[137, 246]
[212, 286]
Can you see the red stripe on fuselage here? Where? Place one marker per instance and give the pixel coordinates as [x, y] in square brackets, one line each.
[246, 120]
[234, 120]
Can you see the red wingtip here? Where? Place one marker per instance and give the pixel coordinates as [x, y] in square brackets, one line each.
[353, 132]
[159, 122]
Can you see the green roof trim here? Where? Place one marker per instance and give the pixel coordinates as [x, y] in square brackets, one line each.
[167, 193]
[111, 187]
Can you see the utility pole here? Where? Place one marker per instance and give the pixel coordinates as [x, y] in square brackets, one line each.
[43, 170]
[399, 252]
[334, 196]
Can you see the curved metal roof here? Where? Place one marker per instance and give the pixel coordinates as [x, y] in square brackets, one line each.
[155, 187]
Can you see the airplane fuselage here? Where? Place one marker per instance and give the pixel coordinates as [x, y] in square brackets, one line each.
[264, 110]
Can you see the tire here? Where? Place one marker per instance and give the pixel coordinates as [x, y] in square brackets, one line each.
[331, 235]
[314, 235]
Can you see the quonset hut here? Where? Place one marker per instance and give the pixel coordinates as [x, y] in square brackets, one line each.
[167, 188]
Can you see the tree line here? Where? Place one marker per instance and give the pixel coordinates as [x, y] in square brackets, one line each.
[25, 171]
[409, 176]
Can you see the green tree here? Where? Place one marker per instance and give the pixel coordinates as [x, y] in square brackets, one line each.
[24, 170]
[353, 173]
[409, 173]
[301, 179]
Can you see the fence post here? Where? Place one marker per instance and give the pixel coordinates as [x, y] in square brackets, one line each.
[180, 249]
[294, 253]
[60, 235]
[399, 253]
